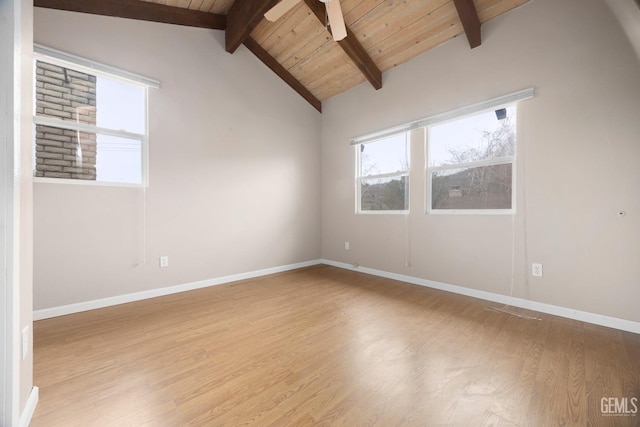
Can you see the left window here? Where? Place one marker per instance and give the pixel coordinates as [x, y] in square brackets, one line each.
[90, 121]
[383, 174]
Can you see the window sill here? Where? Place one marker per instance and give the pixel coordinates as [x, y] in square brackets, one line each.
[471, 212]
[43, 180]
[382, 212]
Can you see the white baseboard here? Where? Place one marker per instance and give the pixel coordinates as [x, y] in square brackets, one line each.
[152, 293]
[30, 407]
[597, 319]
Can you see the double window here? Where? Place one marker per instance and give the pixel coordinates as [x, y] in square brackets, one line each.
[90, 121]
[469, 157]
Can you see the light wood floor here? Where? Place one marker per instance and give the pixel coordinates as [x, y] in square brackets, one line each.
[325, 346]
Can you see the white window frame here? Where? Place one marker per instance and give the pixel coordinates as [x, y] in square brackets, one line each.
[398, 174]
[480, 163]
[491, 104]
[63, 59]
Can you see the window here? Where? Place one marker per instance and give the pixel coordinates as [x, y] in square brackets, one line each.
[90, 121]
[470, 163]
[470, 159]
[383, 174]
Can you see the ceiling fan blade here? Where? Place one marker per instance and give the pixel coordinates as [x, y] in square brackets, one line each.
[280, 9]
[336, 20]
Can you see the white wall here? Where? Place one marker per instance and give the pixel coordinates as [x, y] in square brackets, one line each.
[234, 170]
[577, 163]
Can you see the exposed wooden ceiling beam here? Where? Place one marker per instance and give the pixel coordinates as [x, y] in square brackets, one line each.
[351, 47]
[361, 58]
[282, 72]
[140, 10]
[470, 21]
[242, 18]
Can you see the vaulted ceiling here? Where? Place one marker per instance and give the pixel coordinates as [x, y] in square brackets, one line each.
[381, 34]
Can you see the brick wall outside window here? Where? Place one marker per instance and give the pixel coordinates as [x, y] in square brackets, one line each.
[68, 95]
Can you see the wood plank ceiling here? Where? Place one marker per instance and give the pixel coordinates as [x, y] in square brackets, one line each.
[299, 47]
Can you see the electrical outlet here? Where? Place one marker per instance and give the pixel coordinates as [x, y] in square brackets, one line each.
[536, 270]
[346, 246]
[164, 261]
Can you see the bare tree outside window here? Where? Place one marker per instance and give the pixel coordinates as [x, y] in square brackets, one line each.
[475, 171]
